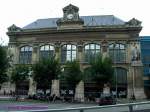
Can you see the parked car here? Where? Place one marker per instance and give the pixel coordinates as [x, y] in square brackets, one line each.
[107, 100]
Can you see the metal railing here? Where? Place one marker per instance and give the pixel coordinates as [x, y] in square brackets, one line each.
[84, 109]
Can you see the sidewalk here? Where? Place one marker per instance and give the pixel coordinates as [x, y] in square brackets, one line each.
[5, 97]
[126, 100]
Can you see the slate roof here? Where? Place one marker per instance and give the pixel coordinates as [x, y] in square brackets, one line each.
[88, 21]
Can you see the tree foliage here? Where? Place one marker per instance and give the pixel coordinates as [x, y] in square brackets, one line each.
[72, 74]
[102, 70]
[20, 73]
[45, 71]
[3, 64]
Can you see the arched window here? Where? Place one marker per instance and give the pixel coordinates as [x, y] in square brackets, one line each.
[117, 53]
[68, 52]
[91, 51]
[25, 56]
[46, 51]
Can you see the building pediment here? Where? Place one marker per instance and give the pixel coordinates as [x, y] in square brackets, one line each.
[70, 8]
[134, 22]
[70, 18]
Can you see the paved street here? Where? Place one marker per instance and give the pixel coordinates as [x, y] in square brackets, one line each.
[13, 106]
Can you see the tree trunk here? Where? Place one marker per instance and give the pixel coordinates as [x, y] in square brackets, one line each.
[55, 88]
[79, 92]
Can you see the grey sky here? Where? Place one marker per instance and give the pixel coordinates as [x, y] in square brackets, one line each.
[23, 12]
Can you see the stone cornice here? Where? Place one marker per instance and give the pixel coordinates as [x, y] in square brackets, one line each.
[107, 29]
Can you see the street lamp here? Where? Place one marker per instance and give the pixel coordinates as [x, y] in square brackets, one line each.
[116, 79]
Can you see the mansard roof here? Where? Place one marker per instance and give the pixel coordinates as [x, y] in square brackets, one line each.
[89, 21]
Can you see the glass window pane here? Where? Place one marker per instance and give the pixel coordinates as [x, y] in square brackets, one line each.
[42, 48]
[68, 54]
[51, 47]
[30, 49]
[91, 51]
[118, 53]
[25, 55]
[64, 47]
[73, 47]
[97, 46]
[117, 46]
[46, 47]
[26, 48]
[45, 51]
[122, 46]
[111, 46]
[68, 47]
[74, 53]
[87, 47]
[22, 49]
[92, 46]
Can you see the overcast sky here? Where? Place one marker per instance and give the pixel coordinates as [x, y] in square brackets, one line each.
[23, 12]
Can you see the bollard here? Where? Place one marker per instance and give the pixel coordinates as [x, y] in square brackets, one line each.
[130, 108]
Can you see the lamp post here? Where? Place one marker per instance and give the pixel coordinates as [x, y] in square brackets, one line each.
[133, 96]
[116, 80]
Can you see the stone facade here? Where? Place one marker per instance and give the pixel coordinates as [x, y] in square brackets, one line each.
[73, 29]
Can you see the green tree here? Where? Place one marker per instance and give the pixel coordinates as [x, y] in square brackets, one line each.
[102, 70]
[3, 65]
[20, 73]
[72, 74]
[45, 71]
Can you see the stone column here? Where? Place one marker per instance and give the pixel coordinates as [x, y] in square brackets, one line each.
[79, 92]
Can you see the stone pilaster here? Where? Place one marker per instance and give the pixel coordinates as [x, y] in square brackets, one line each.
[135, 78]
[104, 49]
[80, 52]
[130, 83]
[57, 50]
[35, 54]
[14, 51]
[137, 83]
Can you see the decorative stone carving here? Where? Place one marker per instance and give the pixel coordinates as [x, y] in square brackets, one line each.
[13, 28]
[135, 53]
[57, 46]
[70, 18]
[70, 8]
[104, 46]
[80, 46]
[133, 22]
